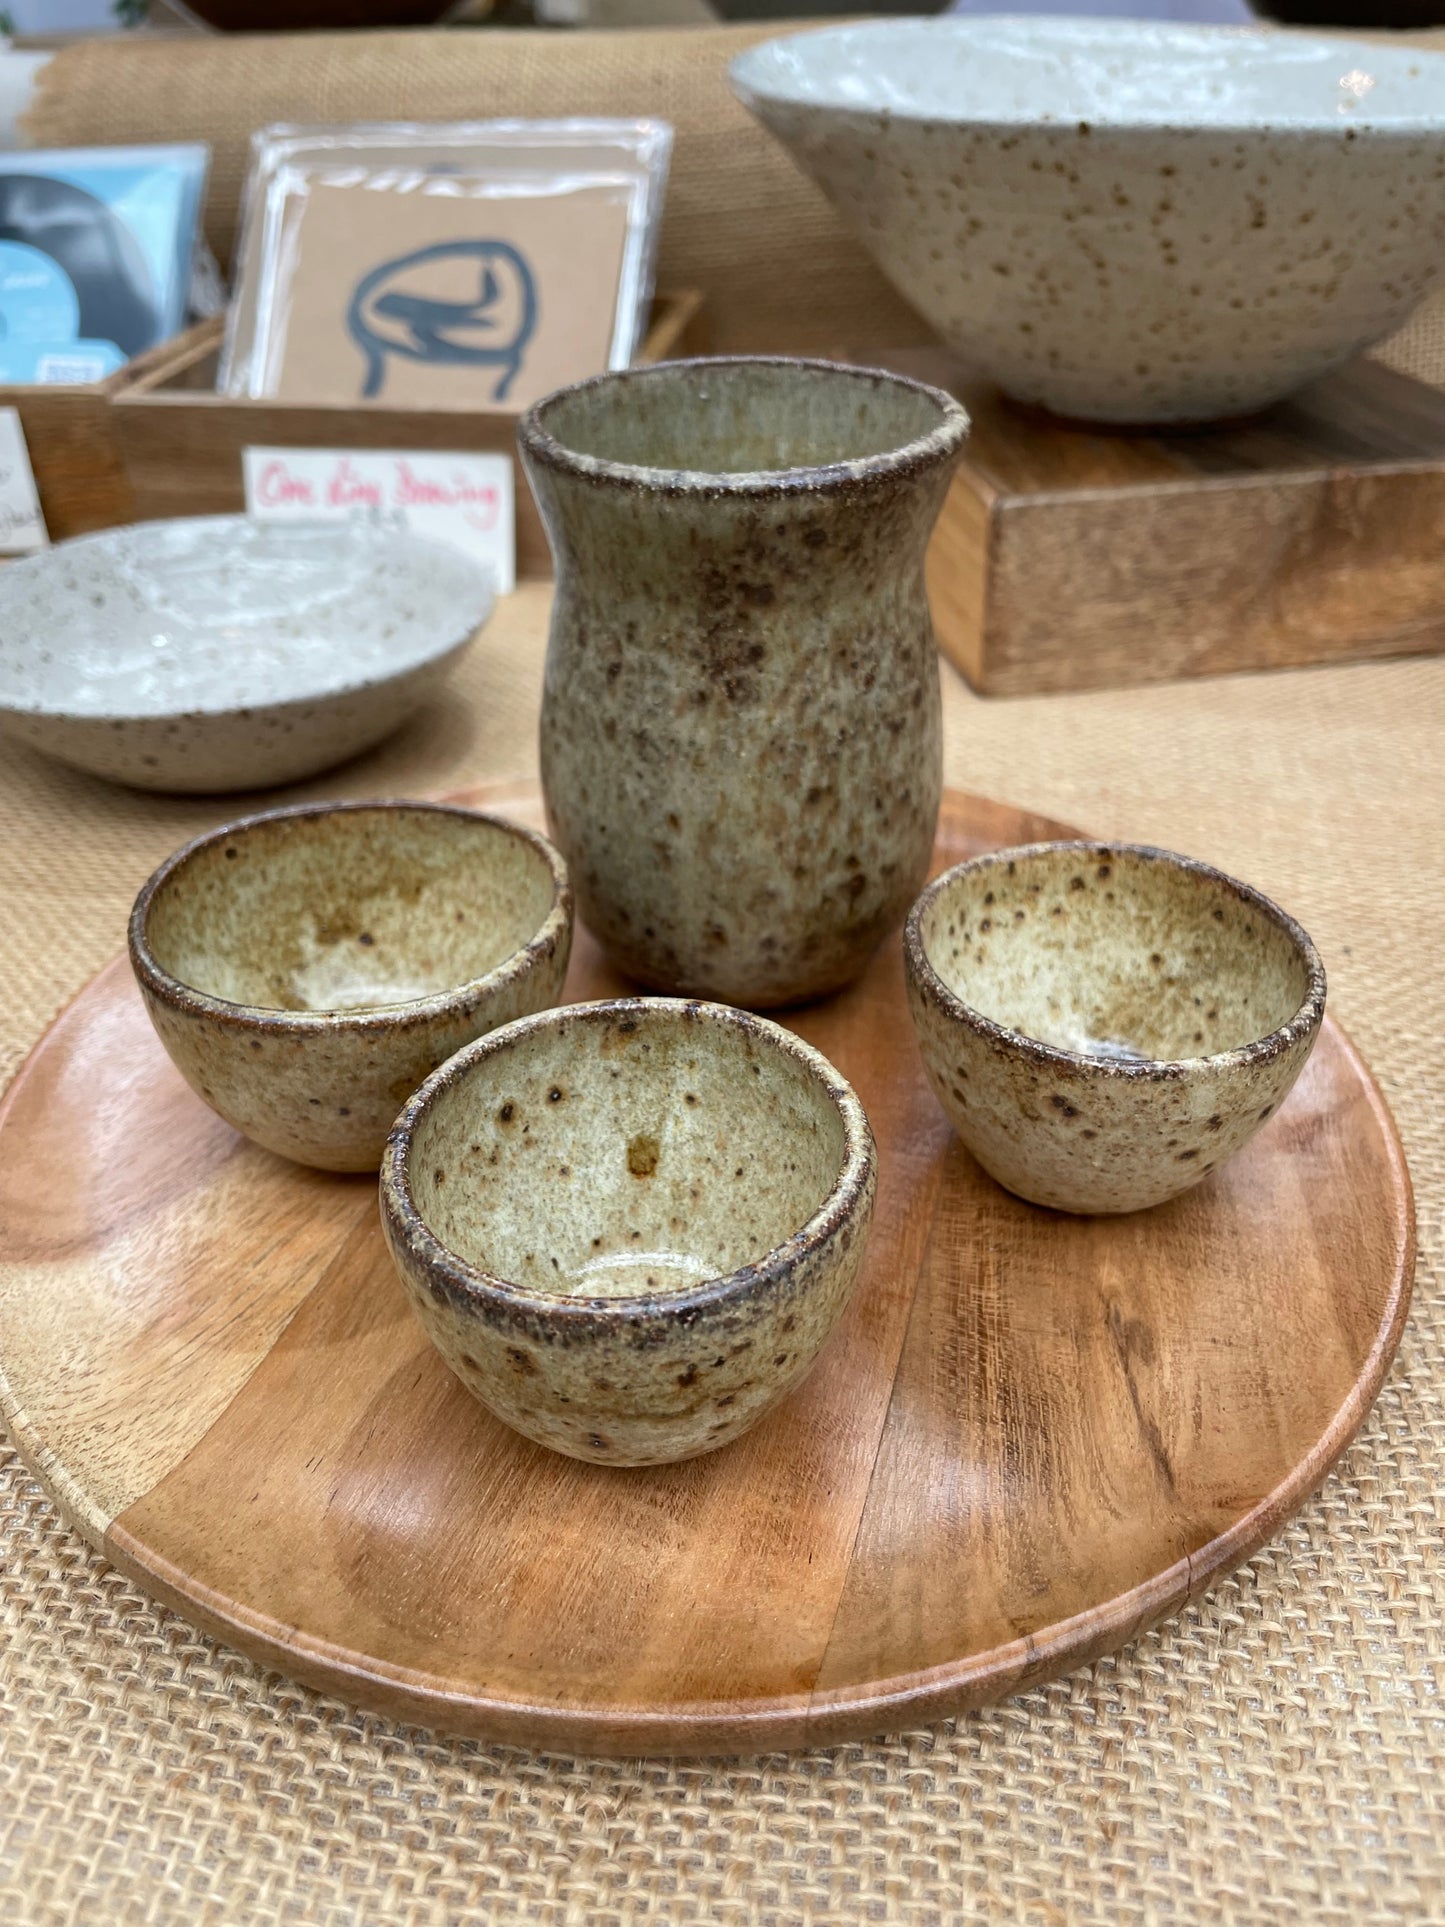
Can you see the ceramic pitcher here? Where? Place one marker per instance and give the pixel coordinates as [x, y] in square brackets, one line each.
[740, 723]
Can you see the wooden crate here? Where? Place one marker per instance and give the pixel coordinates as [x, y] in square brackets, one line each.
[75, 455]
[182, 443]
[77, 464]
[1069, 557]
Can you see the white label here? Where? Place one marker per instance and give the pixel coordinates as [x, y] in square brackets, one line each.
[22, 526]
[71, 369]
[460, 498]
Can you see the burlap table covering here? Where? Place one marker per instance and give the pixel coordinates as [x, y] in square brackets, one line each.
[1274, 1755]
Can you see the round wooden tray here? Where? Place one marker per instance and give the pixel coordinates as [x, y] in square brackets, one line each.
[1031, 1436]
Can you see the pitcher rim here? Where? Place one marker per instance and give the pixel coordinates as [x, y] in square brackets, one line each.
[942, 442]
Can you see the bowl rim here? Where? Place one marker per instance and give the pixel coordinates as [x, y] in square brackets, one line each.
[189, 1001]
[926, 979]
[750, 77]
[431, 653]
[467, 1284]
[935, 447]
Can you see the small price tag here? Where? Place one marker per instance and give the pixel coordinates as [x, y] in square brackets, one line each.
[460, 498]
[22, 526]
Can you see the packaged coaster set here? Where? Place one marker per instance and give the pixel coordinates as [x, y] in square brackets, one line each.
[458, 265]
[96, 253]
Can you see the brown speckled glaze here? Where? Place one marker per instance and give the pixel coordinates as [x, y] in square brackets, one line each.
[628, 1227]
[307, 968]
[1104, 1023]
[740, 722]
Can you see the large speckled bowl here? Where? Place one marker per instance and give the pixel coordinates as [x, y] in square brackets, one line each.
[1123, 220]
[1103, 1023]
[220, 653]
[307, 968]
[628, 1227]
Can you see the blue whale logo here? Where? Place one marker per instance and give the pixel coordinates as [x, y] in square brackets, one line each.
[469, 304]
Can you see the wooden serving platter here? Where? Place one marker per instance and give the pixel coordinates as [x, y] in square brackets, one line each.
[1031, 1436]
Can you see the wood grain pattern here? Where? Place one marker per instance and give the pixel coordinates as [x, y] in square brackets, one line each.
[1071, 558]
[1031, 1435]
[79, 473]
[75, 453]
[182, 443]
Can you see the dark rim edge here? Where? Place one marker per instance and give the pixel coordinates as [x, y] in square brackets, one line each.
[922, 973]
[939, 445]
[155, 979]
[404, 1221]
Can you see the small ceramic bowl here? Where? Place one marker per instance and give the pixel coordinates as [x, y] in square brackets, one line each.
[1105, 1024]
[220, 653]
[628, 1227]
[307, 968]
[1126, 220]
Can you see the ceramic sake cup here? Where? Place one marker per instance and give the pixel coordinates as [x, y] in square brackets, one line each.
[1126, 220]
[628, 1227]
[1104, 1023]
[307, 968]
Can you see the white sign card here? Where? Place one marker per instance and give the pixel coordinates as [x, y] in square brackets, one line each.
[22, 526]
[460, 498]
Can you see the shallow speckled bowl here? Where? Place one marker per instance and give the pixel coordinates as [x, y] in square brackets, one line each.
[1125, 220]
[219, 653]
[628, 1227]
[1105, 1023]
[307, 968]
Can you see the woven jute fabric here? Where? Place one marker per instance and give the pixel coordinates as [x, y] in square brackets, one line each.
[1274, 1755]
[1419, 348]
[742, 223]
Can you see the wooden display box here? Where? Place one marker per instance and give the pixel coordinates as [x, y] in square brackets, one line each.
[75, 455]
[1076, 558]
[79, 472]
[182, 443]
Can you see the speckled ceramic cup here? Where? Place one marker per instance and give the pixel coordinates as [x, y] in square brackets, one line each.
[628, 1227]
[307, 968]
[1104, 1023]
[740, 721]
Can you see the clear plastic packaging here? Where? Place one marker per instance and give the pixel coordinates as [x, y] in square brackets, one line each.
[96, 251]
[466, 264]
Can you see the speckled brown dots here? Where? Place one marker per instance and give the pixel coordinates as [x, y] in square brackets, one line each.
[740, 723]
[1110, 1045]
[639, 1273]
[306, 968]
[1125, 220]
